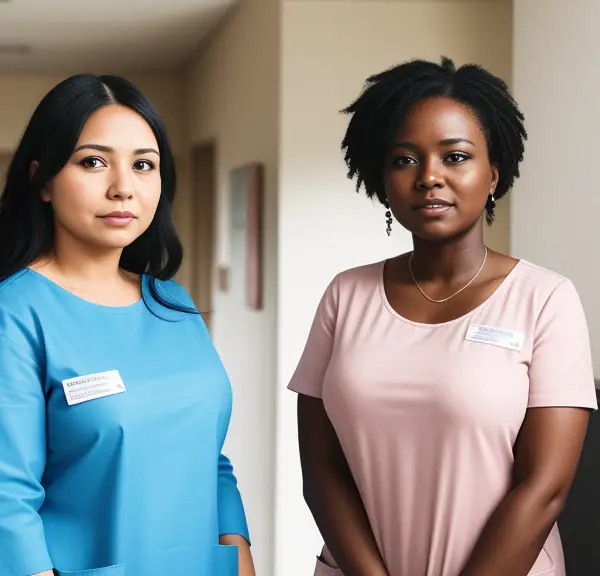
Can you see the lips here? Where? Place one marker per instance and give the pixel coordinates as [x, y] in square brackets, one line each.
[117, 214]
[118, 218]
[434, 203]
[434, 207]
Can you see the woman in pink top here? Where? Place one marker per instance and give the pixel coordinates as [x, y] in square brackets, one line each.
[443, 394]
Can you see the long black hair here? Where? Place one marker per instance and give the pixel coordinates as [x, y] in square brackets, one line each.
[388, 97]
[26, 221]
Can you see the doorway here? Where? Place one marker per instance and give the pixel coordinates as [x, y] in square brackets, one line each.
[203, 228]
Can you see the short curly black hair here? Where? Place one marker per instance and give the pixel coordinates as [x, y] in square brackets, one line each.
[388, 96]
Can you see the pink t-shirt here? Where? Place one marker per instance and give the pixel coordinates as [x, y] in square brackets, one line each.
[427, 414]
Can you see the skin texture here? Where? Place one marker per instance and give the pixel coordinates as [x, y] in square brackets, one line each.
[246, 564]
[441, 152]
[332, 496]
[123, 175]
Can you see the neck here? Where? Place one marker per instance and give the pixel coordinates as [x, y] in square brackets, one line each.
[76, 261]
[448, 261]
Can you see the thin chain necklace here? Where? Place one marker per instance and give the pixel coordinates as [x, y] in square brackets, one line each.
[457, 292]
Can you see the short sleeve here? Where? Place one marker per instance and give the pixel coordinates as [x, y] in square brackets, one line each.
[309, 374]
[561, 373]
[22, 461]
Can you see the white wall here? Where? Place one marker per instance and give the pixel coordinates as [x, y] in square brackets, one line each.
[233, 99]
[554, 218]
[329, 48]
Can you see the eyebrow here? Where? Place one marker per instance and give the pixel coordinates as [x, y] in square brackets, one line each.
[108, 149]
[446, 142]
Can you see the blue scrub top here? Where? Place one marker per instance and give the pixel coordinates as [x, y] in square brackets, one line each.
[129, 484]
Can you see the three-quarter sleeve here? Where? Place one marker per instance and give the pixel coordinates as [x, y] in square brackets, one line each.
[23, 548]
[308, 376]
[232, 517]
[560, 372]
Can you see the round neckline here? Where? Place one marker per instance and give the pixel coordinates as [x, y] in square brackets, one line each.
[88, 303]
[499, 289]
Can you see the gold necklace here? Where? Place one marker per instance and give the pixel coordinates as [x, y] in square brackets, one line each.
[457, 292]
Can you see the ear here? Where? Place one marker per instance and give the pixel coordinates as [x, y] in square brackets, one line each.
[495, 176]
[33, 168]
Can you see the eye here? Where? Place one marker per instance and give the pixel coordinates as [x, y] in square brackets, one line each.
[144, 166]
[456, 157]
[92, 162]
[404, 161]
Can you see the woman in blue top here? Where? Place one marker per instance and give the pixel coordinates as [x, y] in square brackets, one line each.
[114, 405]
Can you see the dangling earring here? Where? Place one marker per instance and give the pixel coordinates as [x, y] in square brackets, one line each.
[388, 219]
[490, 208]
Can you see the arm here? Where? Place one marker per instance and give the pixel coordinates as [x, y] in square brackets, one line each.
[22, 462]
[561, 392]
[233, 527]
[246, 564]
[547, 453]
[332, 496]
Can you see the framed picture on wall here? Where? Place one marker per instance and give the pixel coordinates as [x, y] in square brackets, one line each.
[246, 229]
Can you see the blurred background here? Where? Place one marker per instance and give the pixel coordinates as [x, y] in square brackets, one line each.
[255, 88]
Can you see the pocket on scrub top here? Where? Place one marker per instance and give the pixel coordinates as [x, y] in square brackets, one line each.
[226, 560]
[115, 570]
[323, 569]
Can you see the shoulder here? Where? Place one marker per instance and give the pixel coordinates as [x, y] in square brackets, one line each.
[540, 281]
[173, 293]
[545, 291]
[21, 295]
[20, 291]
[173, 290]
[541, 276]
[14, 286]
[351, 289]
[359, 277]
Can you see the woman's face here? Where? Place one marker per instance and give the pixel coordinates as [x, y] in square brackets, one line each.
[107, 194]
[437, 174]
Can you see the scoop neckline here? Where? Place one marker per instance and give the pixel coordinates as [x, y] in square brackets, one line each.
[499, 289]
[129, 308]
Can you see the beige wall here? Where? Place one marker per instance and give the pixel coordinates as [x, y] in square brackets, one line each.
[233, 99]
[4, 162]
[329, 48]
[554, 218]
[19, 95]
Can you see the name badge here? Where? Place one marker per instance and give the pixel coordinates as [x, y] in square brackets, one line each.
[496, 337]
[92, 386]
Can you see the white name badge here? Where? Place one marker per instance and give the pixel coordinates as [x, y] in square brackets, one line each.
[92, 386]
[496, 337]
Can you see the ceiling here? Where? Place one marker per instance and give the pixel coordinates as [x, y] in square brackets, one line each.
[47, 36]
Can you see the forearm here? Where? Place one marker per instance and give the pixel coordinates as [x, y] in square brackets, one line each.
[245, 562]
[514, 535]
[342, 520]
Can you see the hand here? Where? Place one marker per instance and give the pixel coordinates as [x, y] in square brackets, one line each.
[45, 573]
[245, 562]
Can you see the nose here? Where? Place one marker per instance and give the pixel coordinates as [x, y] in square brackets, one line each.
[430, 176]
[121, 186]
